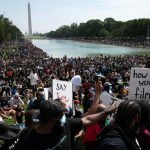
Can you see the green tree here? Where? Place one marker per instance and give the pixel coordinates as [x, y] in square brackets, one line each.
[82, 30]
[94, 27]
[108, 23]
[7, 30]
[132, 29]
[74, 30]
[64, 31]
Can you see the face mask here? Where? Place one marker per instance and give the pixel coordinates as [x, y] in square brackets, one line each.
[63, 120]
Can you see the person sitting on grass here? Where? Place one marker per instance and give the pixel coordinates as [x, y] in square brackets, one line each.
[6, 112]
[17, 104]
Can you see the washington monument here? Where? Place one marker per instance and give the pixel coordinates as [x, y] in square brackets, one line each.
[29, 21]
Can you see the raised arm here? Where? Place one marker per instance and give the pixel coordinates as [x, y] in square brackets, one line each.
[94, 118]
[94, 106]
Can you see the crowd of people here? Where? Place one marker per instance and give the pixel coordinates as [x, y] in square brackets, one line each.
[138, 43]
[26, 70]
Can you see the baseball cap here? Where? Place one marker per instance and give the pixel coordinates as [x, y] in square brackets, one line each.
[50, 109]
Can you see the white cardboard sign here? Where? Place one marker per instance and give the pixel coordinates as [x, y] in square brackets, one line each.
[139, 87]
[63, 90]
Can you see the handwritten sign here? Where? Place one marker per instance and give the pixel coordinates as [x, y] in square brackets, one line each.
[116, 101]
[139, 88]
[63, 90]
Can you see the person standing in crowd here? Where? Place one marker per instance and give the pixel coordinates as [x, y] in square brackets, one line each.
[121, 134]
[33, 80]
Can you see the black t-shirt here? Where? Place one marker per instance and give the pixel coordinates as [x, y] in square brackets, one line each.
[75, 125]
[40, 141]
[60, 139]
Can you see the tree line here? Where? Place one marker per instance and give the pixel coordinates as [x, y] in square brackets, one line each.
[8, 31]
[109, 28]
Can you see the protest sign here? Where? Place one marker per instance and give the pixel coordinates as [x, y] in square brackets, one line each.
[63, 90]
[105, 97]
[139, 87]
[116, 101]
[108, 100]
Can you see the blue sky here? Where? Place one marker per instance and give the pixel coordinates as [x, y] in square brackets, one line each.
[48, 15]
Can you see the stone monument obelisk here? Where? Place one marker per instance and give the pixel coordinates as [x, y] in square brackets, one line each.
[29, 21]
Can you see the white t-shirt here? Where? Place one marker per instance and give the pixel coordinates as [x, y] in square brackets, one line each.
[33, 78]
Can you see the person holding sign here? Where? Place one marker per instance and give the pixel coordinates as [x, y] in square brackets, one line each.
[53, 132]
